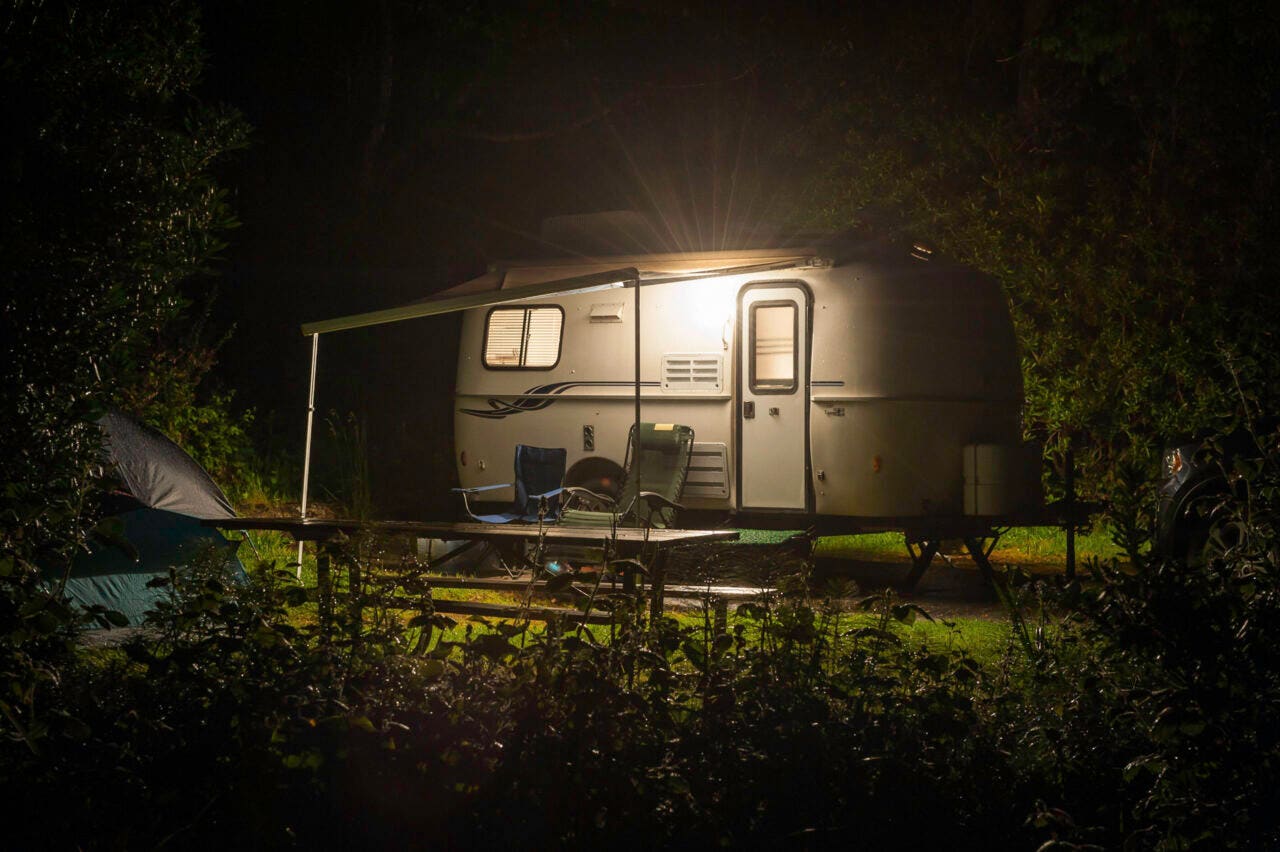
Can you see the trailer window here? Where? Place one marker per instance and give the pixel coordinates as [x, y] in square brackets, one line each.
[523, 338]
[773, 347]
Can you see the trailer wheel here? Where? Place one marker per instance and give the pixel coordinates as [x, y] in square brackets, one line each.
[1200, 535]
[597, 474]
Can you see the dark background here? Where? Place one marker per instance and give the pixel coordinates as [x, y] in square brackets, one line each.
[398, 148]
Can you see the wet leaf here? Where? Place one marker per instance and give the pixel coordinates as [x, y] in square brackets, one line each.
[492, 646]
[116, 618]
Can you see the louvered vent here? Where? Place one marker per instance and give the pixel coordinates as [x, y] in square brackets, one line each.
[708, 472]
[692, 373]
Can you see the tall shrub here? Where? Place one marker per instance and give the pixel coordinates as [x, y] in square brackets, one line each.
[1112, 165]
[109, 205]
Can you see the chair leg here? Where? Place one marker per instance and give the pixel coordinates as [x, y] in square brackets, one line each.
[657, 576]
[512, 558]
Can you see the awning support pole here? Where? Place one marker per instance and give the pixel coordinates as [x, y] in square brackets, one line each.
[636, 448]
[306, 453]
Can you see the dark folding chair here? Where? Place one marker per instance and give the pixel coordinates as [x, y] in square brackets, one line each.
[539, 471]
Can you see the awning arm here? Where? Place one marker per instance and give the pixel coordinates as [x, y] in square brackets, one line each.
[564, 286]
[772, 266]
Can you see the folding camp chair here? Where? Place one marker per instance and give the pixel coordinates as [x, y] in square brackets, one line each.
[654, 473]
[538, 474]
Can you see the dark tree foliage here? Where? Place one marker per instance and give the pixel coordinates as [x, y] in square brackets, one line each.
[403, 146]
[109, 206]
[1112, 164]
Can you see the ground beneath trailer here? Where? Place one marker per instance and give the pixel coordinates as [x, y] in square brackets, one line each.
[953, 587]
[955, 590]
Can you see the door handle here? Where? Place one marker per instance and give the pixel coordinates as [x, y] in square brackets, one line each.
[748, 409]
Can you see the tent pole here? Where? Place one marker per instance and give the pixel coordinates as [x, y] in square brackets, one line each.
[306, 453]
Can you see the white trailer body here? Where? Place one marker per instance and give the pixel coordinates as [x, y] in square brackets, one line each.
[849, 387]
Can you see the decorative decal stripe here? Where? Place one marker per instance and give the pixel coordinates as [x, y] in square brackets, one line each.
[498, 408]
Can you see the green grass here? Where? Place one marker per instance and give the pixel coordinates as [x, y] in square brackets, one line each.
[984, 639]
[1038, 549]
[764, 536]
[867, 545]
[1041, 544]
[1034, 548]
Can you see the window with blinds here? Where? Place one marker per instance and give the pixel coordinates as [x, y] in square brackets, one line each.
[523, 338]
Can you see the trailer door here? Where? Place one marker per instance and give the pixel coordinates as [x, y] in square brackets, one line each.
[773, 391]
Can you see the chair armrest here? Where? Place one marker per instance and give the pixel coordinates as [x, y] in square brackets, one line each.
[654, 505]
[577, 492]
[480, 488]
[547, 494]
[467, 492]
[663, 502]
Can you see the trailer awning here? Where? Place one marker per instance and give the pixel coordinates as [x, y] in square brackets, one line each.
[581, 284]
[620, 277]
[610, 278]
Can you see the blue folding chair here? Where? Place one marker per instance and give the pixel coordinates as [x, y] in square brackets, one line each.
[539, 472]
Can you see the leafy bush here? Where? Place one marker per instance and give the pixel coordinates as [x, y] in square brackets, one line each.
[274, 715]
[169, 391]
[1124, 208]
[1148, 713]
[109, 205]
[1196, 641]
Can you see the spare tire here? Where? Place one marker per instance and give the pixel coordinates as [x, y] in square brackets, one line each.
[598, 474]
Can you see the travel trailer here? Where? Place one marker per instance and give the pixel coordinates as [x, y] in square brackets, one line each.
[848, 385]
[822, 384]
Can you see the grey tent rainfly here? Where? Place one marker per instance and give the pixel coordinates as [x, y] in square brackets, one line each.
[161, 497]
[159, 474]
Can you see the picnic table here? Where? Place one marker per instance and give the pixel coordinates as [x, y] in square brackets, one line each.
[651, 545]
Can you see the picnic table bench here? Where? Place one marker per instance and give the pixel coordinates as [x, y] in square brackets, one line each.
[649, 545]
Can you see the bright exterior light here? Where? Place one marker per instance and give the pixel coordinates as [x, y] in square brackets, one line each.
[709, 307]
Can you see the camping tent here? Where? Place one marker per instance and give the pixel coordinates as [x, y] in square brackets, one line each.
[163, 495]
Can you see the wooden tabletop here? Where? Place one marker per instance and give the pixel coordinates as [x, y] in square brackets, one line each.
[318, 529]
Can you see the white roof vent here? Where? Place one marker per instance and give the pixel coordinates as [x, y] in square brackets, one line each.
[608, 312]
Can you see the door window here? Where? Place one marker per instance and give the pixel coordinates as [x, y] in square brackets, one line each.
[773, 347]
